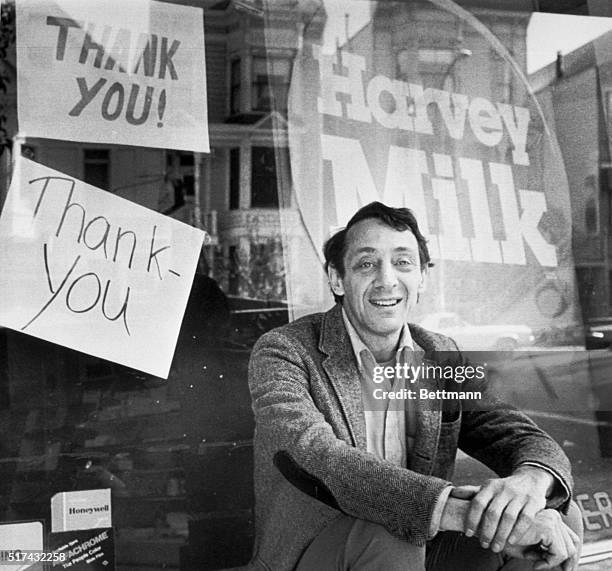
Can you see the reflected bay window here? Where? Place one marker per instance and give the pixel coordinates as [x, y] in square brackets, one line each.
[235, 86]
[270, 77]
[264, 186]
[591, 207]
[234, 179]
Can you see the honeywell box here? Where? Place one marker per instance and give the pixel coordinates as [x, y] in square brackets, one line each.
[84, 509]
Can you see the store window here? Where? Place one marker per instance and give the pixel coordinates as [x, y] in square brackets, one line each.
[331, 118]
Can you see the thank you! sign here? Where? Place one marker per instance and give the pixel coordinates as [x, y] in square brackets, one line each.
[92, 271]
[130, 73]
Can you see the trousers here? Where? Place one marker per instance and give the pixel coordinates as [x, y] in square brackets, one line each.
[359, 545]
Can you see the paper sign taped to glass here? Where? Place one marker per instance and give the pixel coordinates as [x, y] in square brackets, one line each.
[17, 538]
[112, 72]
[94, 272]
[452, 132]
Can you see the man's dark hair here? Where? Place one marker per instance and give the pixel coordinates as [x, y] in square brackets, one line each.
[399, 219]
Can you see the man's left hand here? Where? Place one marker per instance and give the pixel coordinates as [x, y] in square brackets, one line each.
[505, 508]
[549, 543]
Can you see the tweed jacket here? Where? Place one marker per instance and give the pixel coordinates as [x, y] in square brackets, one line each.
[311, 463]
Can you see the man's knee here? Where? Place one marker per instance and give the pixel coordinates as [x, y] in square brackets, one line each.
[349, 543]
[371, 546]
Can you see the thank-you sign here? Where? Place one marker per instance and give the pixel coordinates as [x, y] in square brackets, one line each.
[94, 272]
[130, 73]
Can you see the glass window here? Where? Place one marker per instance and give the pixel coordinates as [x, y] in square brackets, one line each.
[234, 183]
[235, 86]
[264, 185]
[591, 207]
[270, 80]
[590, 216]
[439, 57]
[315, 108]
[233, 270]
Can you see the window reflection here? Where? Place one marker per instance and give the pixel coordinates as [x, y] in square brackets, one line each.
[176, 453]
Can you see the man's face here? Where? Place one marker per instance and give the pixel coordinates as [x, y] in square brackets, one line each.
[382, 279]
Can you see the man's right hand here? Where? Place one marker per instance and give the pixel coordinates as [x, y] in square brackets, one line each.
[548, 542]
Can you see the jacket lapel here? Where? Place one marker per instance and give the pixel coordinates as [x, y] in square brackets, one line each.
[428, 411]
[343, 374]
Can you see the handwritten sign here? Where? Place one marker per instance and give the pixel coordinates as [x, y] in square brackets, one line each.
[112, 72]
[91, 271]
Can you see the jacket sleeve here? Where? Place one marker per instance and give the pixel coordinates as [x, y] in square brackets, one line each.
[503, 438]
[302, 444]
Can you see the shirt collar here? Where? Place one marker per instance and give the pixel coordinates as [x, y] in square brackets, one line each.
[358, 345]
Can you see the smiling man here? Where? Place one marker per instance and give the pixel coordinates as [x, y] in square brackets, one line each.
[346, 481]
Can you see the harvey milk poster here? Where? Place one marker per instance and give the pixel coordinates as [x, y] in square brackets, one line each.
[92, 271]
[376, 113]
[130, 73]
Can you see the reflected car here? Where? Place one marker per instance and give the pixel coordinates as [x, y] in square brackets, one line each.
[598, 333]
[479, 337]
[250, 319]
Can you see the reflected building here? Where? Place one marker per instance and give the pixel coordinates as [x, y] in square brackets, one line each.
[233, 192]
[576, 94]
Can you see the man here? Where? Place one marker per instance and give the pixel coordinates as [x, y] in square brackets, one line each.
[343, 482]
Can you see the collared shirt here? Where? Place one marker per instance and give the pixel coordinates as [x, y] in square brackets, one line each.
[391, 423]
[385, 419]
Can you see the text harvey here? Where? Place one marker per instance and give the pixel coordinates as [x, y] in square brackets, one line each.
[471, 209]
